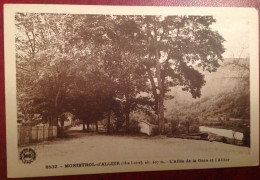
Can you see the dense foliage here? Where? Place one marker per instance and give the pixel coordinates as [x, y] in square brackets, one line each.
[105, 67]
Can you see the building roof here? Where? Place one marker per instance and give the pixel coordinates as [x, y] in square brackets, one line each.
[146, 122]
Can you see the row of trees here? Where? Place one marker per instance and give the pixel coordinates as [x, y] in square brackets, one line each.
[103, 66]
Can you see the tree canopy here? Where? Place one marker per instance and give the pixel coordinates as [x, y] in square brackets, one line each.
[105, 66]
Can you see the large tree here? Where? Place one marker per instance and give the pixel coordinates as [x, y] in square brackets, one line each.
[176, 47]
[130, 76]
[114, 60]
[43, 61]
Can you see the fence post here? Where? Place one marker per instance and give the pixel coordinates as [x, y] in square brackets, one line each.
[55, 131]
[34, 134]
[19, 133]
[43, 133]
[40, 132]
[37, 137]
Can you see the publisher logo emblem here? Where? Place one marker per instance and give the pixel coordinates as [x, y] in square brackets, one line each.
[27, 155]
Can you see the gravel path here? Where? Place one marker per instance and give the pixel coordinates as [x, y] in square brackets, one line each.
[97, 147]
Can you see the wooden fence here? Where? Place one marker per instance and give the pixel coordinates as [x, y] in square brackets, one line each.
[31, 134]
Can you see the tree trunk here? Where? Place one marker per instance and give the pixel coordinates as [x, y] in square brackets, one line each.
[155, 95]
[161, 115]
[127, 122]
[62, 120]
[108, 121]
[127, 110]
[55, 114]
[96, 124]
[51, 119]
[83, 125]
[160, 94]
[87, 126]
[55, 120]
[62, 123]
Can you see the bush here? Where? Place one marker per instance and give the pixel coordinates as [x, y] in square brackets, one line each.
[205, 118]
[182, 129]
[168, 128]
[223, 139]
[246, 137]
[174, 126]
[194, 128]
[189, 125]
[134, 126]
[155, 130]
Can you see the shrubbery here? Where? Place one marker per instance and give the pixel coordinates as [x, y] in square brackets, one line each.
[194, 128]
[60, 132]
[134, 126]
[246, 137]
[155, 130]
[174, 126]
[187, 126]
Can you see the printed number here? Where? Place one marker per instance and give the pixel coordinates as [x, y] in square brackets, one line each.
[51, 166]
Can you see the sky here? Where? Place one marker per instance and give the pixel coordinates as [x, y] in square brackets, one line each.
[235, 32]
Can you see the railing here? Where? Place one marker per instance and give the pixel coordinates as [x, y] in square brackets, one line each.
[31, 134]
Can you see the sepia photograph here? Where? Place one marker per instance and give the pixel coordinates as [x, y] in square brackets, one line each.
[118, 92]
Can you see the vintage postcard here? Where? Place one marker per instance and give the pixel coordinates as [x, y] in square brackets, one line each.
[102, 89]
